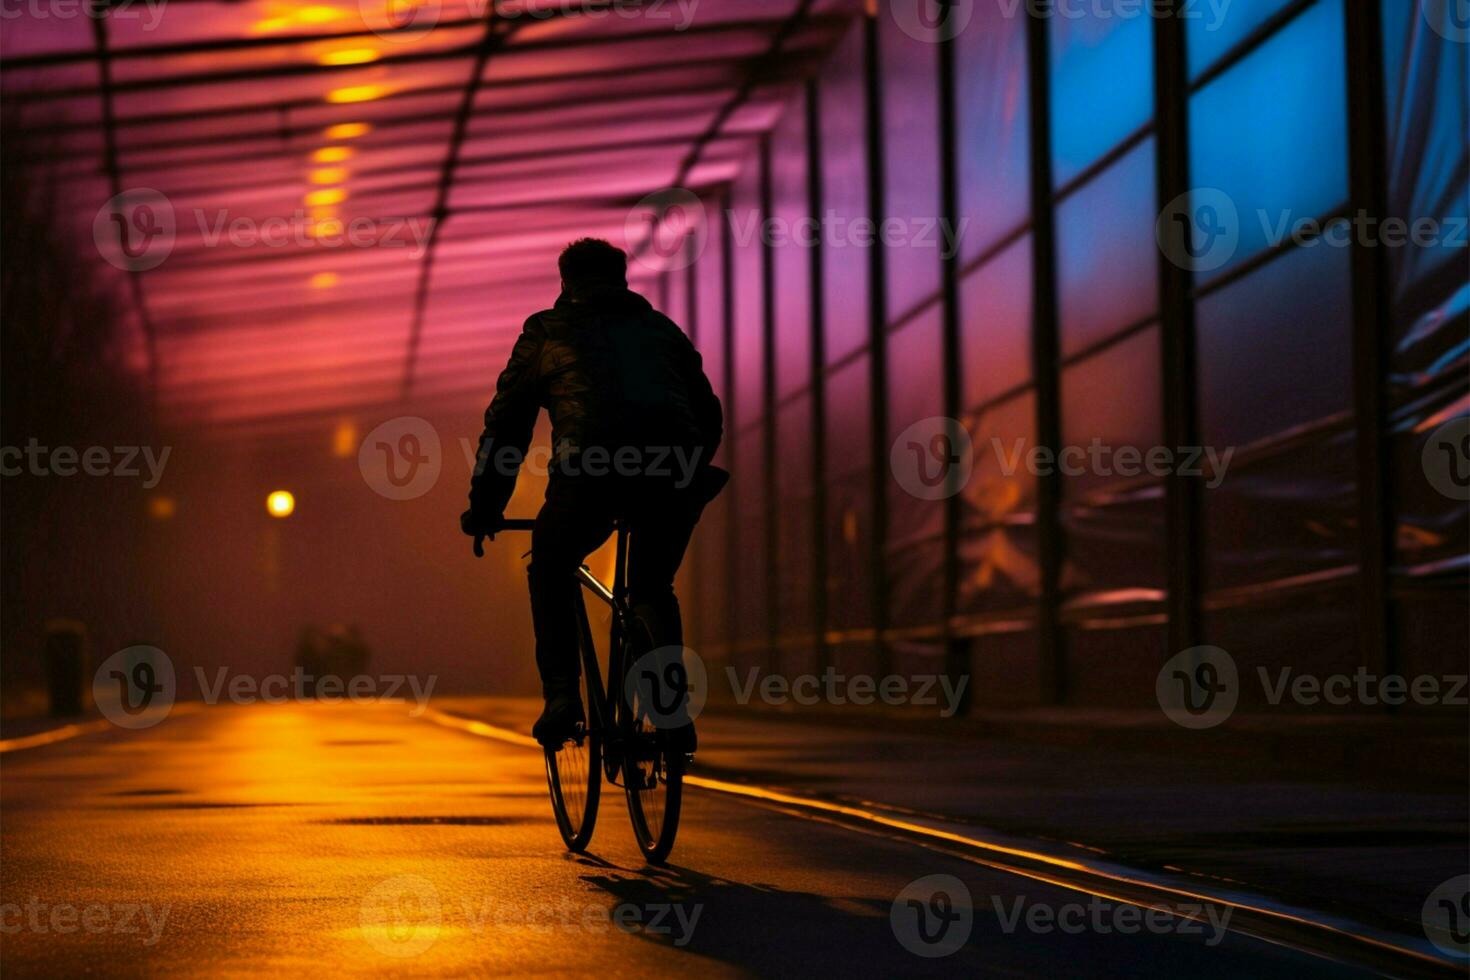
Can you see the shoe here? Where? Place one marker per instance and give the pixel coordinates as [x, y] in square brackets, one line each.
[561, 720]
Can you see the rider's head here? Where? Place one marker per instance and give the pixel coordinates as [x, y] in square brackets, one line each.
[592, 262]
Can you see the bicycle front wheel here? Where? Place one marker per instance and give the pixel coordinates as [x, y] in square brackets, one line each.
[574, 776]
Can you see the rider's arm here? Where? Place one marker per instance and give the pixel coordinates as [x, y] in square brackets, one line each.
[509, 422]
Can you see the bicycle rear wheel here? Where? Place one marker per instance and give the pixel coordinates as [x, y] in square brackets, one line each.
[653, 778]
[574, 776]
[653, 771]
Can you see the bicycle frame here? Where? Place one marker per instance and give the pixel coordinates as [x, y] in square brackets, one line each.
[604, 708]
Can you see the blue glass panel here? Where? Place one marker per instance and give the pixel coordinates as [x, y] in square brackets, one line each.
[1271, 133]
[1107, 252]
[1102, 85]
[1428, 116]
[1212, 29]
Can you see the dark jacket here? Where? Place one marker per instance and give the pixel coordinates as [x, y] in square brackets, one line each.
[612, 373]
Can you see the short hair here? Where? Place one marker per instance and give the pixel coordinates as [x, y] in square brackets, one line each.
[589, 259]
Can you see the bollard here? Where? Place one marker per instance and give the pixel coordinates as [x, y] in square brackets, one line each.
[66, 666]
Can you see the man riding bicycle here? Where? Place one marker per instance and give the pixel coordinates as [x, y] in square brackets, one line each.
[635, 424]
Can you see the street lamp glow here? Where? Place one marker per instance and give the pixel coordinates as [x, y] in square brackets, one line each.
[280, 503]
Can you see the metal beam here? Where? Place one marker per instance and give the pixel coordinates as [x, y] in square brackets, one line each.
[441, 199]
[877, 341]
[818, 377]
[956, 650]
[1372, 326]
[1180, 374]
[1044, 363]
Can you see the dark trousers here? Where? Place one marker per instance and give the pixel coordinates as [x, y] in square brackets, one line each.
[575, 520]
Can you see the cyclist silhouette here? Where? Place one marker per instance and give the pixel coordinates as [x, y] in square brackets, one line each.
[635, 424]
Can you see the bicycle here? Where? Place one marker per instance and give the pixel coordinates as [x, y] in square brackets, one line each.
[619, 739]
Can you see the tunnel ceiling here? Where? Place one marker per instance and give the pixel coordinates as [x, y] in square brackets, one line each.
[285, 163]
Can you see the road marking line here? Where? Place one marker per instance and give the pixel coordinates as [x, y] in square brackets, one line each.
[863, 816]
[52, 735]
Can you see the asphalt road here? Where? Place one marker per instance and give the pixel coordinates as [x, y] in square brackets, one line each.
[356, 839]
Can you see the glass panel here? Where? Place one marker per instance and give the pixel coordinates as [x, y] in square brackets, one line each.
[1286, 504]
[1254, 337]
[710, 306]
[1113, 511]
[911, 150]
[849, 418]
[845, 198]
[1102, 85]
[849, 496]
[1107, 253]
[1428, 115]
[1216, 28]
[995, 325]
[914, 548]
[751, 575]
[749, 327]
[794, 478]
[994, 128]
[997, 545]
[791, 252]
[1271, 133]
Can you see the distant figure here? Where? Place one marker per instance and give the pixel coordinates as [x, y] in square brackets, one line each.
[634, 425]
